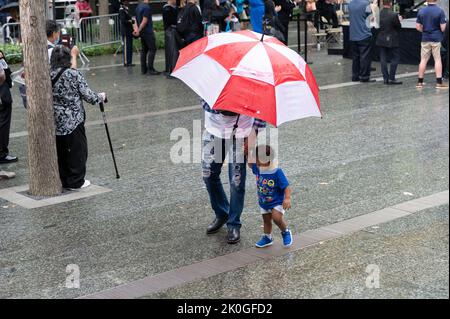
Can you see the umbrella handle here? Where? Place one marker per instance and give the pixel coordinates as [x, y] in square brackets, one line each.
[235, 126]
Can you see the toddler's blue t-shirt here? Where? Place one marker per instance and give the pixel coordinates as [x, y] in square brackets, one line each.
[270, 185]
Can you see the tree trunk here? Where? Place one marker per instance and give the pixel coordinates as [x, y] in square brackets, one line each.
[103, 9]
[42, 156]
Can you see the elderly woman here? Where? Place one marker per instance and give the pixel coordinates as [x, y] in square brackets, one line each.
[69, 91]
[5, 110]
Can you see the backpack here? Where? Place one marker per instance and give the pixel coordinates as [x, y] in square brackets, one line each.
[183, 20]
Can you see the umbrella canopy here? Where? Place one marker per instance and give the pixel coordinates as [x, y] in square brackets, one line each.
[242, 73]
[10, 6]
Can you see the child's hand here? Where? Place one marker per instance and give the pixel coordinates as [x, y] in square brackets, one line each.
[287, 204]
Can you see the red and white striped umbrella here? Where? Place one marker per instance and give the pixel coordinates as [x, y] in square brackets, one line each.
[238, 72]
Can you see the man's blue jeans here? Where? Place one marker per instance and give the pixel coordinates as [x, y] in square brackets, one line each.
[213, 155]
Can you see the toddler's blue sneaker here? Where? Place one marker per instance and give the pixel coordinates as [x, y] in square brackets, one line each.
[264, 241]
[287, 238]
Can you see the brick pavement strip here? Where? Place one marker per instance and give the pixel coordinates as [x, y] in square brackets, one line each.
[236, 260]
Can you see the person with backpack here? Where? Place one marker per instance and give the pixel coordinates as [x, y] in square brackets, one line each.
[190, 22]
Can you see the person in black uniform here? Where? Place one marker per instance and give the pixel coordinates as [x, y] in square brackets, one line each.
[126, 30]
[5, 112]
[215, 13]
[388, 42]
[284, 15]
[170, 14]
[189, 23]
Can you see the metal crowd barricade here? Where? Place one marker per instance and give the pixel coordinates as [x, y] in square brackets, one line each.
[89, 32]
[98, 31]
[72, 28]
[10, 33]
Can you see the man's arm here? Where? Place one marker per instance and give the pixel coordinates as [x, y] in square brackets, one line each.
[419, 27]
[443, 21]
[74, 52]
[143, 24]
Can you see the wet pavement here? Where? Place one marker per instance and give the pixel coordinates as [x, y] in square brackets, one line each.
[376, 146]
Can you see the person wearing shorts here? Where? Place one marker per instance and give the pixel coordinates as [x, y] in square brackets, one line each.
[274, 195]
[431, 22]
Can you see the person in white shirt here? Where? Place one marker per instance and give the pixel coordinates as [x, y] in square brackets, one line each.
[53, 31]
[226, 133]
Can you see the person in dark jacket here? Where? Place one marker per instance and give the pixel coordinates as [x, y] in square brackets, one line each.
[444, 53]
[214, 13]
[284, 15]
[388, 42]
[170, 14]
[190, 22]
[5, 111]
[126, 30]
[147, 34]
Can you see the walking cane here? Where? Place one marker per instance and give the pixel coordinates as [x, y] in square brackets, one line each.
[102, 109]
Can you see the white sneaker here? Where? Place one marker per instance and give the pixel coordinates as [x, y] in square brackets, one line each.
[7, 175]
[86, 184]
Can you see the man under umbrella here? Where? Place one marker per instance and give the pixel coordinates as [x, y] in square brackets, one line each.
[263, 79]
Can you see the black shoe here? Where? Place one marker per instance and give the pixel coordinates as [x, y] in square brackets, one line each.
[367, 81]
[234, 235]
[170, 77]
[355, 79]
[386, 82]
[395, 82]
[215, 225]
[153, 72]
[129, 65]
[8, 159]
